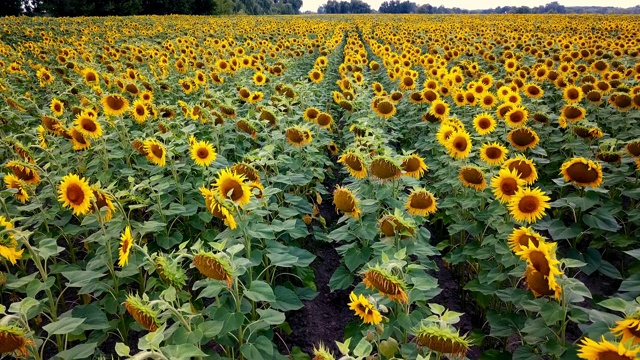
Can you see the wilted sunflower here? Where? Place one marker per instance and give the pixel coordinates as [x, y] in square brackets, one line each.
[524, 237]
[385, 108]
[473, 177]
[114, 104]
[384, 168]
[442, 340]
[75, 193]
[214, 266]
[528, 205]
[217, 207]
[523, 138]
[364, 309]
[629, 329]
[247, 170]
[57, 107]
[484, 124]
[354, 163]
[582, 172]
[493, 153]
[142, 313]
[13, 340]
[459, 145]
[525, 167]
[88, 126]
[414, 166]
[156, 152]
[517, 116]
[421, 202]
[202, 153]
[126, 243]
[311, 114]
[605, 350]
[394, 224]
[386, 284]
[346, 202]
[506, 184]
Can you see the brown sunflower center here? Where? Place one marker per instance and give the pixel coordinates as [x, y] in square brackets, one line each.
[525, 239]
[523, 169]
[509, 186]
[537, 283]
[202, 153]
[484, 124]
[115, 102]
[472, 176]
[517, 117]
[324, 119]
[582, 173]
[522, 137]
[411, 164]
[493, 153]
[533, 90]
[623, 101]
[384, 169]
[88, 125]
[573, 94]
[385, 108]
[91, 77]
[295, 136]
[572, 112]
[460, 143]
[57, 107]
[78, 137]
[140, 110]
[440, 109]
[613, 355]
[344, 201]
[157, 151]
[75, 194]
[22, 173]
[353, 162]
[528, 204]
[540, 262]
[421, 201]
[233, 186]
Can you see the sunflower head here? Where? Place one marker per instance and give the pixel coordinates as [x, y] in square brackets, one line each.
[142, 313]
[232, 186]
[102, 201]
[24, 171]
[629, 329]
[523, 138]
[13, 340]
[298, 136]
[202, 153]
[354, 163]
[605, 350]
[247, 170]
[385, 108]
[484, 124]
[413, 165]
[13, 182]
[364, 309]
[582, 172]
[75, 193]
[322, 353]
[524, 237]
[395, 224]
[528, 205]
[170, 272]
[459, 145]
[156, 153]
[311, 114]
[214, 266]
[384, 168]
[218, 207]
[442, 340]
[526, 168]
[506, 184]
[387, 284]
[114, 104]
[472, 177]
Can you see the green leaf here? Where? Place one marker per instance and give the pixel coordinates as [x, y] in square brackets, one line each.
[425, 282]
[615, 304]
[271, 317]
[95, 319]
[341, 279]
[183, 351]
[122, 350]
[260, 291]
[635, 253]
[211, 328]
[601, 219]
[607, 269]
[551, 313]
[363, 348]
[48, 248]
[81, 351]
[286, 299]
[63, 326]
[282, 260]
[356, 256]
[631, 284]
[259, 349]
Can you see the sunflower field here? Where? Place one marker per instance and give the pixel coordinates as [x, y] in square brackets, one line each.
[320, 187]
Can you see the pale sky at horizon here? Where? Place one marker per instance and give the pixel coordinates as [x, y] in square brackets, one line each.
[312, 5]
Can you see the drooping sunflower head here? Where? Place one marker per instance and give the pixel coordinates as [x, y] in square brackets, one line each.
[298, 136]
[484, 124]
[442, 340]
[126, 243]
[52, 125]
[247, 170]
[524, 237]
[413, 165]
[13, 340]
[472, 177]
[387, 284]
[525, 167]
[523, 138]
[12, 182]
[333, 148]
[582, 172]
[506, 184]
[421, 202]
[214, 266]
[528, 205]
[232, 186]
[633, 148]
[142, 313]
[459, 145]
[354, 163]
[573, 113]
[24, 171]
[114, 104]
[605, 350]
[75, 193]
[539, 284]
[384, 168]
[156, 153]
[346, 202]
[102, 201]
[170, 272]
[395, 224]
[385, 109]
[621, 101]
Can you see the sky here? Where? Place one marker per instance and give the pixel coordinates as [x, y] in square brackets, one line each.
[312, 5]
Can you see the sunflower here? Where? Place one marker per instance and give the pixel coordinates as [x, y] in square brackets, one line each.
[247, 170]
[42, 139]
[524, 237]
[45, 77]
[459, 145]
[52, 125]
[202, 153]
[23, 171]
[298, 136]
[214, 266]
[523, 138]
[573, 113]
[421, 202]
[394, 224]
[13, 182]
[517, 116]
[114, 105]
[503, 109]
[605, 350]
[386, 284]
[384, 168]
[156, 152]
[525, 167]
[346, 202]
[232, 186]
[442, 340]
[439, 109]
[533, 91]
[473, 177]
[354, 163]
[621, 101]
[484, 124]
[506, 184]
[444, 134]
[542, 258]
[139, 111]
[582, 172]
[385, 109]
[143, 314]
[633, 148]
[324, 120]
[126, 243]
[217, 207]
[364, 309]
[13, 340]
[528, 205]
[75, 193]
[102, 200]
[333, 148]
[487, 100]
[629, 329]
[311, 114]
[90, 77]
[414, 166]
[322, 352]
[88, 126]
[8, 244]
[315, 76]
[493, 153]
[572, 94]
[57, 107]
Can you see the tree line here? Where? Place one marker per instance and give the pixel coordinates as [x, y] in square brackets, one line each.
[147, 7]
[410, 7]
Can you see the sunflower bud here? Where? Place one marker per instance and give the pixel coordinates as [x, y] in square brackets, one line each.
[370, 336]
